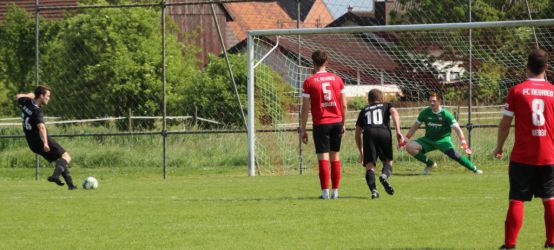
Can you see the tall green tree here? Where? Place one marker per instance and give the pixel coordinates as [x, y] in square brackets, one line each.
[213, 96]
[107, 62]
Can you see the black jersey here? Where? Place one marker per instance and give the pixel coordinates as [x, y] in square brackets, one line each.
[375, 116]
[32, 115]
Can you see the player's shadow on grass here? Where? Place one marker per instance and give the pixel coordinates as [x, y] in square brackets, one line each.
[409, 174]
[412, 248]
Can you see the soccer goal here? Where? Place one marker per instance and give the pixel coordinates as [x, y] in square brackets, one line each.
[462, 61]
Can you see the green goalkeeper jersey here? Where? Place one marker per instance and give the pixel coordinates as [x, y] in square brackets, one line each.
[437, 125]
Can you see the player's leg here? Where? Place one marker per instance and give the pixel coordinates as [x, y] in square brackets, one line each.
[370, 157]
[520, 190]
[545, 187]
[418, 148]
[65, 159]
[335, 139]
[370, 179]
[321, 141]
[35, 144]
[462, 160]
[445, 145]
[384, 152]
[62, 161]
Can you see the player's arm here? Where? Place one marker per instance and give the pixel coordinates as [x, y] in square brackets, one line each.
[358, 137]
[503, 131]
[43, 136]
[305, 111]
[460, 134]
[413, 129]
[344, 108]
[396, 118]
[25, 95]
[404, 139]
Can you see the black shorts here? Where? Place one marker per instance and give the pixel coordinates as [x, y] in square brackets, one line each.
[56, 150]
[377, 143]
[527, 181]
[327, 137]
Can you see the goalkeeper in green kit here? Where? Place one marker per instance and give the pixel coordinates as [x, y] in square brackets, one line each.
[438, 124]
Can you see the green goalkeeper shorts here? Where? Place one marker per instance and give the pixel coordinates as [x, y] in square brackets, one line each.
[429, 145]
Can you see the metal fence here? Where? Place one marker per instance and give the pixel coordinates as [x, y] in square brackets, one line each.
[108, 63]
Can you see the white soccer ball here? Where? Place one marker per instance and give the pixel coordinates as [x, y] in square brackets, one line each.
[90, 183]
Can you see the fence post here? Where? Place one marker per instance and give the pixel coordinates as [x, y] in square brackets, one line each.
[37, 69]
[130, 120]
[164, 104]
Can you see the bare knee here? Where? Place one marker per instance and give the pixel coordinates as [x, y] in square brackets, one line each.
[66, 157]
[370, 167]
[334, 156]
[413, 148]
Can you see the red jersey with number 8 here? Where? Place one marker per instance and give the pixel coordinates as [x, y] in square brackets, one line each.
[324, 90]
[532, 104]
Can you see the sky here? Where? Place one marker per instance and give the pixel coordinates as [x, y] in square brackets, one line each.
[339, 7]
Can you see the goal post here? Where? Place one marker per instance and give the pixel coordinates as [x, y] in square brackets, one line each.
[406, 61]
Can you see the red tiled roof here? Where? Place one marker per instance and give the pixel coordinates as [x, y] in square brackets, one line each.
[270, 15]
[29, 5]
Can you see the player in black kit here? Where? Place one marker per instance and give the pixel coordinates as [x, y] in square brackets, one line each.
[374, 124]
[37, 136]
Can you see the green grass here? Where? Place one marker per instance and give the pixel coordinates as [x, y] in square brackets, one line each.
[449, 209]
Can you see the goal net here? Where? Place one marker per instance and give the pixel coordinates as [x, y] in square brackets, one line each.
[461, 61]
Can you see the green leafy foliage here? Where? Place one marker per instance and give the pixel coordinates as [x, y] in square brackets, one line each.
[111, 59]
[213, 96]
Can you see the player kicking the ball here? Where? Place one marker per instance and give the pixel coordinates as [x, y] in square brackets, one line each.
[37, 136]
[438, 125]
[374, 122]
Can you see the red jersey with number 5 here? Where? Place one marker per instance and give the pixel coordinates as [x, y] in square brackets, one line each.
[325, 92]
[532, 104]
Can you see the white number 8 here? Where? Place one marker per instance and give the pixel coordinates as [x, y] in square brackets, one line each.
[538, 112]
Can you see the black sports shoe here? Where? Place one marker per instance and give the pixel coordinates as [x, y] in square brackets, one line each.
[505, 247]
[72, 187]
[374, 194]
[548, 245]
[386, 185]
[55, 180]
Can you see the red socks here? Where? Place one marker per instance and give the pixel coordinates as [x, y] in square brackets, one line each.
[549, 221]
[324, 174]
[335, 173]
[514, 220]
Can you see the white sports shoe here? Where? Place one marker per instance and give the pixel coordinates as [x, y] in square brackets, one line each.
[324, 194]
[335, 194]
[427, 169]
[478, 171]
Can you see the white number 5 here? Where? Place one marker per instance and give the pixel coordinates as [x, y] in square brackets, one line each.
[538, 112]
[326, 91]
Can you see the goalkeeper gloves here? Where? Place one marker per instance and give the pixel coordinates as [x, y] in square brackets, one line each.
[405, 140]
[466, 147]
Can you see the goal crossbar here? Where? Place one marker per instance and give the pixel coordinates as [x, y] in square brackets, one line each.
[254, 34]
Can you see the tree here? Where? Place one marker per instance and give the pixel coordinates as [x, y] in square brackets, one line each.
[498, 54]
[213, 95]
[107, 62]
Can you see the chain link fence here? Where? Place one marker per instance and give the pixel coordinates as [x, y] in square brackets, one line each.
[163, 84]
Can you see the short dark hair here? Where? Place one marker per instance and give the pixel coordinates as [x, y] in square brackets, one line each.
[375, 95]
[41, 90]
[319, 58]
[537, 61]
[435, 94]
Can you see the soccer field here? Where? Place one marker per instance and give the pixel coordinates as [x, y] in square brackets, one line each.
[449, 209]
